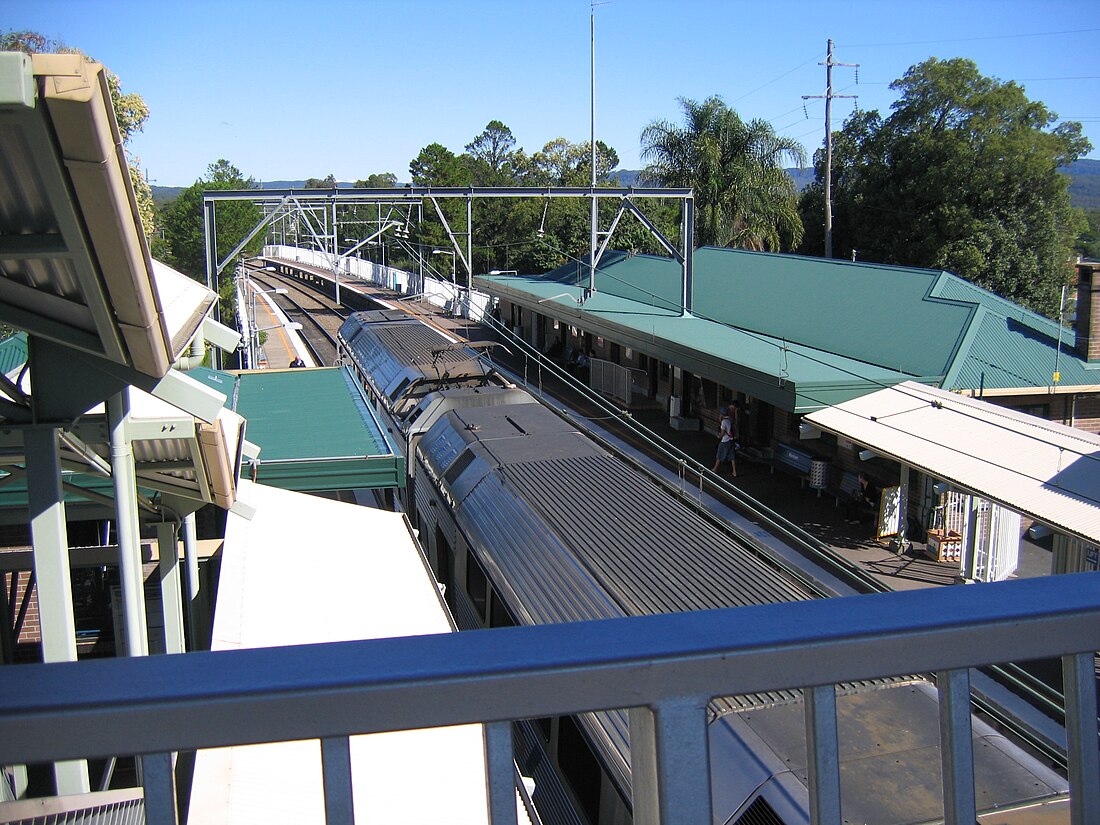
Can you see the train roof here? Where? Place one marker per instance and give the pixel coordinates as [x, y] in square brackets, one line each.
[391, 347]
[571, 509]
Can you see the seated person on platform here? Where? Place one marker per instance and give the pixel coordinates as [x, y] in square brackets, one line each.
[864, 501]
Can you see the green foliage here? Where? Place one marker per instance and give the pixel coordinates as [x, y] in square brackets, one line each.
[1088, 242]
[963, 176]
[380, 180]
[743, 196]
[183, 225]
[321, 183]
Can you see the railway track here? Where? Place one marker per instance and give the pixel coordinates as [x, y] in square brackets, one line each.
[319, 316]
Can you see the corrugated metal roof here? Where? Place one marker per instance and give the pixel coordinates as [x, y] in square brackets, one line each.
[13, 353]
[788, 375]
[1041, 469]
[315, 430]
[802, 332]
[1012, 347]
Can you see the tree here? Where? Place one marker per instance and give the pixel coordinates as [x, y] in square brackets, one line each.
[321, 183]
[183, 222]
[379, 180]
[436, 165]
[743, 196]
[962, 176]
[492, 156]
[130, 110]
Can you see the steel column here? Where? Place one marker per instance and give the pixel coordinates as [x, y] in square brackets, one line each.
[670, 763]
[1079, 684]
[195, 615]
[500, 773]
[688, 243]
[956, 747]
[124, 477]
[51, 570]
[170, 598]
[158, 778]
[336, 769]
[822, 754]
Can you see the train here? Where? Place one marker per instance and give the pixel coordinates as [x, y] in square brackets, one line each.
[527, 519]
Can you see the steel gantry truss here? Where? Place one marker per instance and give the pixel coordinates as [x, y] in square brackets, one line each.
[317, 209]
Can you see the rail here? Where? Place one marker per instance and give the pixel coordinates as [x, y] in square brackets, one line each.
[663, 668]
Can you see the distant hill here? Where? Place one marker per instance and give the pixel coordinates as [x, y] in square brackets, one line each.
[1084, 183]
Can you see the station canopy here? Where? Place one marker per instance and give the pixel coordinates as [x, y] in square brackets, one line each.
[1043, 470]
[314, 429]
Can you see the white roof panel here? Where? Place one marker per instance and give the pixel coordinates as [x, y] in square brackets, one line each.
[295, 553]
[1043, 470]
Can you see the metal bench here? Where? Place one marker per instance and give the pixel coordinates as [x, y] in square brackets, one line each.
[792, 460]
[845, 487]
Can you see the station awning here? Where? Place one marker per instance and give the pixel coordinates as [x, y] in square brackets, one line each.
[1043, 470]
[314, 428]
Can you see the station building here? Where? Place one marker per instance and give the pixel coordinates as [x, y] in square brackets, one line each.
[787, 335]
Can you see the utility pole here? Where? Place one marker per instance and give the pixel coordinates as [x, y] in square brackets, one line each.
[828, 64]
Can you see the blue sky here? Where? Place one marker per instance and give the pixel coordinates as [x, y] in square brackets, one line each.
[289, 90]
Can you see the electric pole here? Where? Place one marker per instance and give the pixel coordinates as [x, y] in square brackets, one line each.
[828, 64]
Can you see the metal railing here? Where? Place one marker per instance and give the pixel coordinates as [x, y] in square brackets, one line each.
[663, 668]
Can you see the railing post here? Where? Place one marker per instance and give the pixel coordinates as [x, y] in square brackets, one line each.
[500, 773]
[336, 769]
[1079, 684]
[956, 747]
[822, 756]
[158, 778]
[670, 763]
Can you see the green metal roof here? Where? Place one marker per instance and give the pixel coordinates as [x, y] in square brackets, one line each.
[314, 427]
[13, 353]
[802, 332]
[1010, 347]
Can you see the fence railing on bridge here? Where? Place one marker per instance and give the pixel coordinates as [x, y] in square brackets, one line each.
[664, 668]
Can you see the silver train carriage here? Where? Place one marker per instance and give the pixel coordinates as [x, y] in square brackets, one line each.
[414, 373]
[528, 521]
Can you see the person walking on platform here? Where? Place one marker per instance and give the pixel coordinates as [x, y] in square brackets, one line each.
[297, 362]
[727, 446]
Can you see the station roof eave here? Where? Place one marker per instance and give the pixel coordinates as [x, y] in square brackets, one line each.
[75, 267]
[1041, 469]
[789, 376]
[315, 429]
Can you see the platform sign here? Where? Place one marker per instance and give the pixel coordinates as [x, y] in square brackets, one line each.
[889, 513]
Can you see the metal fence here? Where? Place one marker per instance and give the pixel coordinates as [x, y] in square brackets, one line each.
[663, 668]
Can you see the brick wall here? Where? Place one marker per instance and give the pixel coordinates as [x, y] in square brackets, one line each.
[1087, 413]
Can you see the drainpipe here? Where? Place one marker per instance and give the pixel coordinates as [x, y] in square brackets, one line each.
[196, 354]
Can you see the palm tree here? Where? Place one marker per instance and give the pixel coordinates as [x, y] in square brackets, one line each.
[743, 196]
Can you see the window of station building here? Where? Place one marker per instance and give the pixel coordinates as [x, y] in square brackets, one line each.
[580, 767]
[616, 352]
[663, 370]
[477, 584]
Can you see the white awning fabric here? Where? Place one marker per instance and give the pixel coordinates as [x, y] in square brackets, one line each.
[1045, 471]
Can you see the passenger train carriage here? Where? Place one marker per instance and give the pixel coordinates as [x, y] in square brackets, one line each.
[529, 521]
